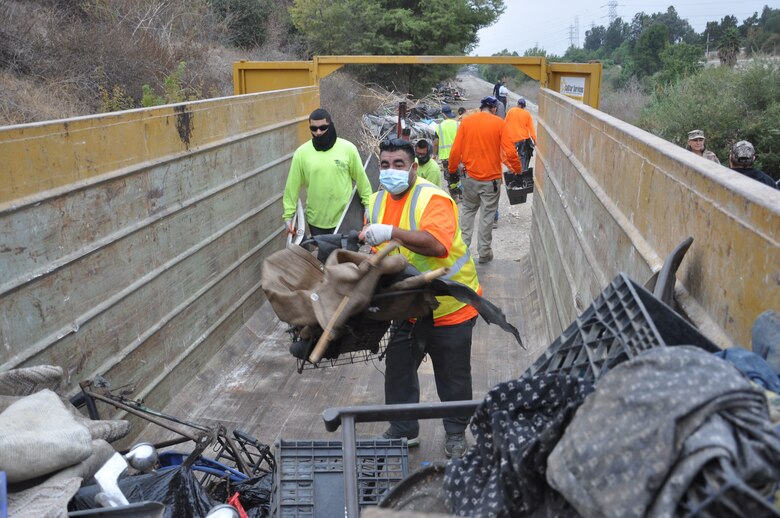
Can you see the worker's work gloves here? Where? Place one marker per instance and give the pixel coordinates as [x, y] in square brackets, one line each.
[289, 225]
[456, 188]
[377, 233]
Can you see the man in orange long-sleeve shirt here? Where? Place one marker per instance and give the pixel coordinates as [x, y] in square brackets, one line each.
[478, 146]
[518, 128]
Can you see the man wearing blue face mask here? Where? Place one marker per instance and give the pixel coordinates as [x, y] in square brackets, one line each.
[424, 219]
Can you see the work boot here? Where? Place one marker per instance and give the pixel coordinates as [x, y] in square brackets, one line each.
[486, 258]
[410, 441]
[455, 445]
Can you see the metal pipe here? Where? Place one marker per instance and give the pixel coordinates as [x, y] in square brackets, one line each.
[334, 417]
[163, 444]
[140, 414]
[348, 446]
[240, 464]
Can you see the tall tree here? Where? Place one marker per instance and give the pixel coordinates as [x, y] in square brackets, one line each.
[617, 33]
[594, 38]
[647, 53]
[728, 47]
[397, 27]
[677, 27]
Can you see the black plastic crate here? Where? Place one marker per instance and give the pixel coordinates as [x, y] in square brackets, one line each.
[310, 475]
[519, 186]
[624, 320]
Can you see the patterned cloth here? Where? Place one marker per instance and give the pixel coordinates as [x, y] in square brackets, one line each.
[655, 423]
[515, 427]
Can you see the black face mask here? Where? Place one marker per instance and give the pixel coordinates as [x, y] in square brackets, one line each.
[422, 160]
[325, 141]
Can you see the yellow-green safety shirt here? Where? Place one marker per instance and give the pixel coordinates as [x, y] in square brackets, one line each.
[430, 171]
[327, 176]
[446, 131]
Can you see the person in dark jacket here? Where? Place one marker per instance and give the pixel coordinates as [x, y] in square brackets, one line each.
[741, 159]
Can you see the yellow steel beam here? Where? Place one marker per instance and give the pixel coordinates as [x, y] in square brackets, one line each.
[429, 60]
[265, 76]
[258, 76]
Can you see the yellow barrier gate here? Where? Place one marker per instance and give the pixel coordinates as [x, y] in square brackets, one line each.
[581, 81]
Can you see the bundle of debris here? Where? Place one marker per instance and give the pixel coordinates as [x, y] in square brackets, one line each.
[58, 462]
[347, 303]
[417, 118]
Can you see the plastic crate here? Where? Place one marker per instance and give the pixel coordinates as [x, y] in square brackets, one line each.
[718, 491]
[519, 186]
[310, 475]
[624, 320]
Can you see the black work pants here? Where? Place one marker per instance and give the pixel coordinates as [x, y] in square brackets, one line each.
[525, 150]
[449, 348]
[317, 231]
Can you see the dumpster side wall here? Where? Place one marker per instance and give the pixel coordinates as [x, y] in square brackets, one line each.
[611, 197]
[131, 243]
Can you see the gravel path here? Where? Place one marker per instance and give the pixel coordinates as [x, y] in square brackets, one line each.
[511, 240]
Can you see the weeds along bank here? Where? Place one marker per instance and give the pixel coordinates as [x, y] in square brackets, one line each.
[65, 59]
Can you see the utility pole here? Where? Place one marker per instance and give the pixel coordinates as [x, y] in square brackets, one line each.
[571, 36]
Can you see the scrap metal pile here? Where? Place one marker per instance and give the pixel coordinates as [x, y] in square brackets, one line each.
[417, 117]
[58, 462]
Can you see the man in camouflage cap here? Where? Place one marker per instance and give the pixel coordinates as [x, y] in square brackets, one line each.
[696, 144]
[741, 159]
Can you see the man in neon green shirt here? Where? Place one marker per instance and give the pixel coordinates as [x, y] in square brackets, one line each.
[427, 168]
[326, 166]
[442, 144]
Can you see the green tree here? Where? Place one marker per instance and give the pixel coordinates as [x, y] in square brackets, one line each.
[536, 51]
[577, 55]
[397, 27]
[639, 23]
[617, 33]
[492, 73]
[728, 47]
[594, 38]
[680, 60]
[761, 34]
[647, 53]
[678, 29]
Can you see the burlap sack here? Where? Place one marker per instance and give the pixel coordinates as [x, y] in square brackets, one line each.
[289, 276]
[29, 380]
[349, 274]
[38, 435]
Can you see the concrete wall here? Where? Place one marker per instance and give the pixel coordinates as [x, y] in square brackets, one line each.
[610, 197]
[131, 243]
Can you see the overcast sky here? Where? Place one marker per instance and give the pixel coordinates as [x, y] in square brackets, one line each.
[545, 24]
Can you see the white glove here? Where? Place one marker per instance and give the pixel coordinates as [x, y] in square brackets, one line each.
[288, 224]
[377, 234]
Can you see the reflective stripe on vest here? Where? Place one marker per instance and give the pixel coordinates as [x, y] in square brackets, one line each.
[459, 261]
